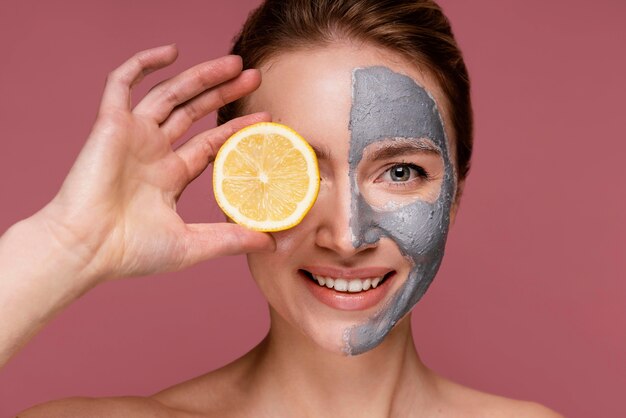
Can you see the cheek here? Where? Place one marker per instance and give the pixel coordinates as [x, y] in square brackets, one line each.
[264, 265]
[269, 269]
[418, 228]
[268, 272]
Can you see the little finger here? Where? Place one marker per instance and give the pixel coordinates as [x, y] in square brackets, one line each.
[120, 81]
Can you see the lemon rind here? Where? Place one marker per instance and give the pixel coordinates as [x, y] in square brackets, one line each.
[302, 207]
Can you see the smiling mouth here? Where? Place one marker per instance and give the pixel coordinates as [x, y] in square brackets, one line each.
[348, 285]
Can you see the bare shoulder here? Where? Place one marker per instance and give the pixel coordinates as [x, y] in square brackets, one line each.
[480, 404]
[220, 393]
[103, 407]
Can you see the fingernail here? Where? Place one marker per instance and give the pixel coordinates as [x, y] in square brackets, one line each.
[263, 115]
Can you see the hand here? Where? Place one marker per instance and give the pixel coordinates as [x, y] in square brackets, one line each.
[116, 210]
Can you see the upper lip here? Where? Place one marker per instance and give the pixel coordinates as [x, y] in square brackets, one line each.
[345, 273]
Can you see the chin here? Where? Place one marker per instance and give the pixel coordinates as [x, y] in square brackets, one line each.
[331, 340]
[332, 337]
[314, 317]
[321, 328]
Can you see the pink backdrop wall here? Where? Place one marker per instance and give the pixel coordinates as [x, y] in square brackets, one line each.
[531, 300]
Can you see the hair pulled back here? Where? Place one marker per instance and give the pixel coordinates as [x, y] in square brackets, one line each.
[416, 29]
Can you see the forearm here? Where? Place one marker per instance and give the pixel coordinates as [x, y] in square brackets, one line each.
[40, 274]
[115, 214]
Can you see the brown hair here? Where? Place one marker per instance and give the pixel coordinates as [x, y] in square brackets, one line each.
[417, 29]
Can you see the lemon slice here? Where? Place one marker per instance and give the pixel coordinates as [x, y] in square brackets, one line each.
[265, 177]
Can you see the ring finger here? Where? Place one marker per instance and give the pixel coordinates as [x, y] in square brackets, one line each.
[184, 115]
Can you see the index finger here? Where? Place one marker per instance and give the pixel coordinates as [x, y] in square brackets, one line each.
[120, 81]
[200, 151]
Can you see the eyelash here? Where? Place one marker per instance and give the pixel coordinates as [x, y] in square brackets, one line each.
[421, 174]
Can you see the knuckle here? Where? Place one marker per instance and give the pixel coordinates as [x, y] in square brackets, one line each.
[136, 65]
[192, 112]
[121, 75]
[222, 98]
[113, 76]
[200, 79]
[141, 58]
[197, 73]
[232, 126]
[208, 147]
[170, 95]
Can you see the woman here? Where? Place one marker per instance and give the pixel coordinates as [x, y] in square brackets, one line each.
[381, 92]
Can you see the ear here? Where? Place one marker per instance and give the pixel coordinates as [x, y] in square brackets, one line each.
[457, 201]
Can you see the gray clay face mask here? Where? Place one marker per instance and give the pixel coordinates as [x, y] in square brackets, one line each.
[391, 106]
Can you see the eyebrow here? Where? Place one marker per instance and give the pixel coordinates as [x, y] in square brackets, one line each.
[409, 146]
[322, 153]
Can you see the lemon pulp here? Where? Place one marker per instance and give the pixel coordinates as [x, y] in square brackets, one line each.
[266, 177]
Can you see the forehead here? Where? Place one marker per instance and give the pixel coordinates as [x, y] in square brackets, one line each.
[312, 89]
[389, 105]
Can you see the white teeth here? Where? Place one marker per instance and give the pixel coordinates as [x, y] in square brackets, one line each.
[343, 285]
[355, 286]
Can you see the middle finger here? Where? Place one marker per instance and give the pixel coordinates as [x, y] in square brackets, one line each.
[160, 101]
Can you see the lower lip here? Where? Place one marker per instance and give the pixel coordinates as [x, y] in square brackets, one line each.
[346, 301]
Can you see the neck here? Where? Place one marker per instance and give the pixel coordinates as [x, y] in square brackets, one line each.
[307, 380]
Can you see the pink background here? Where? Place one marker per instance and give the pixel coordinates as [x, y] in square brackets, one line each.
[531, 300]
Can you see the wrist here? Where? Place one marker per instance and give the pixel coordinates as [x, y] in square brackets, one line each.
[38, 278]
[58, 249]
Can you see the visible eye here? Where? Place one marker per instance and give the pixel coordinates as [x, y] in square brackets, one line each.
[405, 172]
[400, 173]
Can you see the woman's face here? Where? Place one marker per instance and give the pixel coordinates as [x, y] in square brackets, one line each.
[374, 239]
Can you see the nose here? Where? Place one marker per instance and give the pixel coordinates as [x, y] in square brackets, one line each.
[333, 233]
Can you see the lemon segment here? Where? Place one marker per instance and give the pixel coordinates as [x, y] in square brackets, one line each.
[266, 177]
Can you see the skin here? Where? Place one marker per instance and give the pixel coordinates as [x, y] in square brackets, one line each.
[97, 227]
[327, 234]
[390, 111]
[299, 369]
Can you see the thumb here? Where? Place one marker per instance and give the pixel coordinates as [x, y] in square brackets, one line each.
[206, 241]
